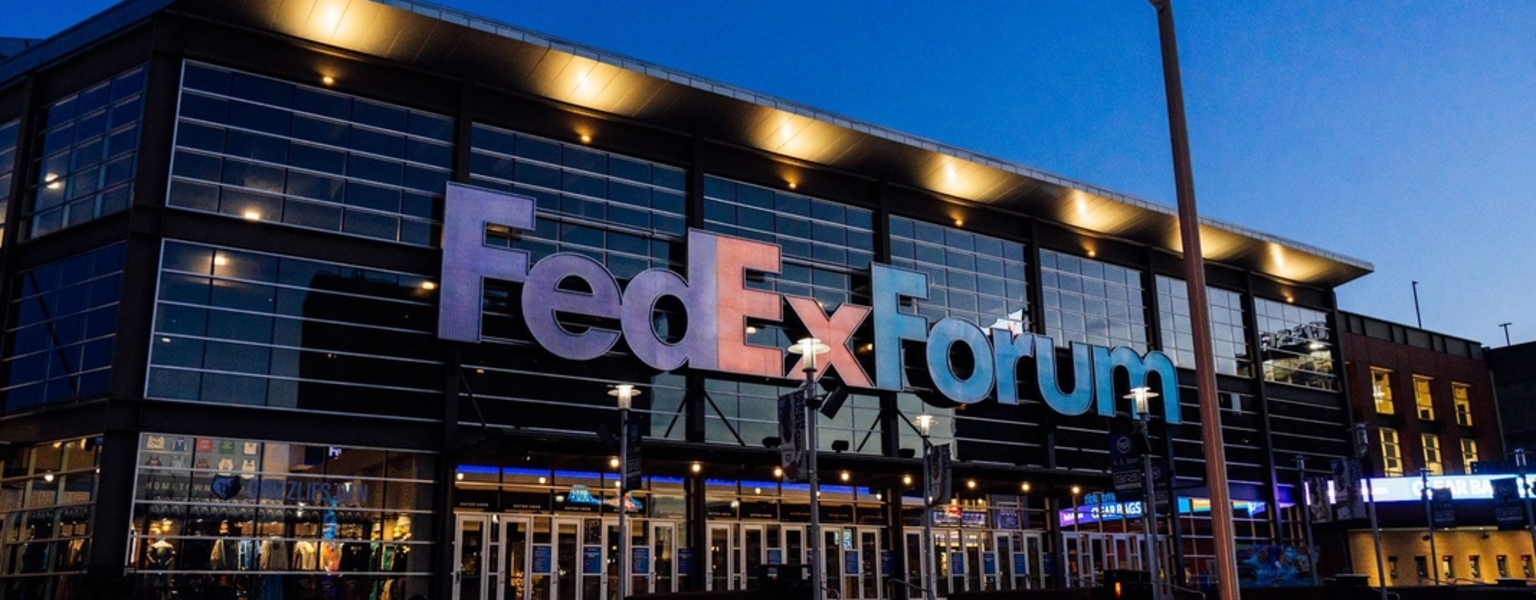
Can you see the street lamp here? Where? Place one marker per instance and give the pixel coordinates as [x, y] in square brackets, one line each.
[1140, 397]
[808, 349]
[625, 394]
[924, 427]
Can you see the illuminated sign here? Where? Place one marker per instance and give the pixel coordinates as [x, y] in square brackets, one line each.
[718, 306]
[1462, 487]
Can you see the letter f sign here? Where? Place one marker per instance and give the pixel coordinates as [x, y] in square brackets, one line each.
[467, 261]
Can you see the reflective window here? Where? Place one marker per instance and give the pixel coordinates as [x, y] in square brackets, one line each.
[242, 327]
[8, 137]
[47, 494]
[257, 148]
[624, 212]
[1092, 302]
[1229, 337]
[1295, 344]
[1391, 453]
[1423, 399]
[1381, 390]
[1432, 460]
[1459, 395]
[227, 515]
[974, 277]
[62, 329]
[86, 146]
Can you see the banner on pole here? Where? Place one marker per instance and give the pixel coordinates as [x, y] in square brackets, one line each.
[1125, 465]
[1348, 495]
[940, 485]
[792, 450]
[632, 475]
[1508, 508]
[1317, 500]
[1442, 508]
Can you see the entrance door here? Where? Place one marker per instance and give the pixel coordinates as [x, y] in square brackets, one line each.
[469, 573]
[721, 558]
[516, 538]
[754, 552]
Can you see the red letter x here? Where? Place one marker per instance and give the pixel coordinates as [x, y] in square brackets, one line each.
[833, 331]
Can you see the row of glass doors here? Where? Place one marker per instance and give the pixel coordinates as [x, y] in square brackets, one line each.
[540, 557]
[1089, 554]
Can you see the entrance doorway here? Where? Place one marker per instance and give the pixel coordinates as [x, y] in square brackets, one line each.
[1089, 554]
[524, 557]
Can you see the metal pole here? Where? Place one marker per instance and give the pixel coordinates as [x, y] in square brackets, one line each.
[929, 572]
[1381, 569]
[1506, 331]
[1429, 521]
[818, 583]
[1149, 516]
[1416, 314]
[1306, 514]
[1225, 537]
[623, 503]
[1525, 491]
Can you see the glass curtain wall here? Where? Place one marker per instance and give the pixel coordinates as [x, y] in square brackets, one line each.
[47, 496]
[63, 329]
[86, 146]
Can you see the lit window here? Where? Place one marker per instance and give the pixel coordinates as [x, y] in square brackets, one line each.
[1391, 453]
[1459, 394]
[1468, 454]
[1422, 398]
[1381, 390]
[1432, 454]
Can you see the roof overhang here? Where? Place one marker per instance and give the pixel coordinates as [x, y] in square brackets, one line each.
[441, 40]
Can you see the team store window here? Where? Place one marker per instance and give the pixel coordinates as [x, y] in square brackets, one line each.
[86, 148]
[240, 518]
[262, 149]
[47, 495]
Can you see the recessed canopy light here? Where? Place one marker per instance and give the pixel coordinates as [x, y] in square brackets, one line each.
[328, 80]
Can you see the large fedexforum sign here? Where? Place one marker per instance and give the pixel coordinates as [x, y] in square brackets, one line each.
[719, 305]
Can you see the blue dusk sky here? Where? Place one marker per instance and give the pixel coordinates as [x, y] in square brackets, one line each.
[1401, 133]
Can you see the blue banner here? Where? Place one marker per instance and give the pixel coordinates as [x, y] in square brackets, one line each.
[1020, 567]
[850, 562]
[989, 564]
[640, 561]
[685, 561]
[775, 556]
[887, 563]
[956, 563]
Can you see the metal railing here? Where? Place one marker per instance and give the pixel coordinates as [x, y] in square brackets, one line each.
[891, 584]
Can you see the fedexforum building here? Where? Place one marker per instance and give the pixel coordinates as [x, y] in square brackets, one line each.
[324, 298]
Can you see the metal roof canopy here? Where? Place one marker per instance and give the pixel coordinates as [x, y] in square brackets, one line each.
[441, 40]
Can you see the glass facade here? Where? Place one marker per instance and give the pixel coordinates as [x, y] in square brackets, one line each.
[9, 132]
[85, 150]
[47, 495]
[1092, 302]
[244, 518]
[1295, 344]
[825, 249]
[262, 149]
[63, 329]
[1229, 337]
[241, 327]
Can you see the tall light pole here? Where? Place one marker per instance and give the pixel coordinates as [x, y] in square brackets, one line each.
[808, 349]
[1143, 415]
[1506, 325]
[626, 394]
[1429, 522]
[1225, 536]
[1362, 452]
[924, 425]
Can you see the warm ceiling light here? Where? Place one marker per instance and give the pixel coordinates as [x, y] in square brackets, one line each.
[1076, 490]
[220, 260]
[613, 462]
[1024, 487]
[251, 215]
[427, 285]
[48, 478]
[696, 467]
[165, 340]
[844, 476]
[458, 476]
[970, 484]
[906, 480]
[543, 480]
[327, 79]
[959, 222]
[586, 139]
[1290, 300]
[1092, 254]
[793, 185]
[778, 471]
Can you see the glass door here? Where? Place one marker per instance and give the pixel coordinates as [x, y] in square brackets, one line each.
[754, 552]
[869, 578]
[720, 559]
[1034, 560]
[663, 578]
[469, 546]
[915, 557]
[567, 552]
[516, 538]
[949, 561]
